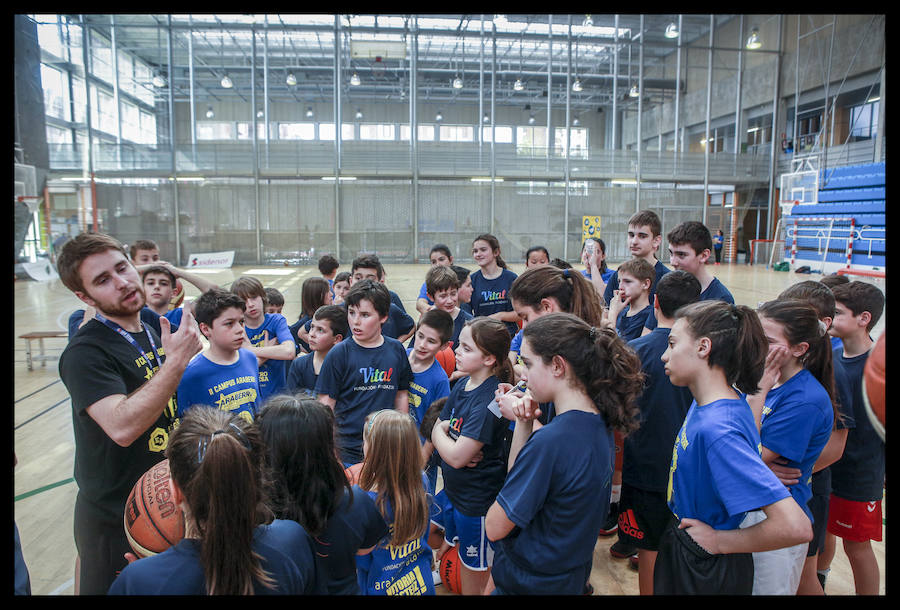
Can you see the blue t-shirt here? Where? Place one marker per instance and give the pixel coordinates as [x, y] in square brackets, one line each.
[361, 380]
[604, 275]
[492, 296]
[273, 373]
[398, 322]
[796, 423]
[613, 282]
[458, 323]
[516, 344]
[647, 451]
[423, 293]
[716, 291]
[302, 376]
[177, 570]
[397, 570]
[717, 473]
[425, 388]
[396, 300]
[302, 322]
[631, 327]
[557, 494]
[859, 474]
[355, 525]
[227, 387]
[473, 490]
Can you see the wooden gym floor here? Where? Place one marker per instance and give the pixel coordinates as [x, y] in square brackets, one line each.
[44, 490]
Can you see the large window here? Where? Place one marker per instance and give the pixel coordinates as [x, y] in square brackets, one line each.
[531, 140]
[457, 133]
[56, 92]
[326, 131]
[215, 130]
[504, 134]
[579, 146]
[377, 131]
[244, 133]
[296, 131]
[101, 57]
[864, 121]
[426, 133]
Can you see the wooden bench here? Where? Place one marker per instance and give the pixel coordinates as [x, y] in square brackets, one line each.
[40, 335]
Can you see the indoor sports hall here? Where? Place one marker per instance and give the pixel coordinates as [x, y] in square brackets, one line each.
[215, 137]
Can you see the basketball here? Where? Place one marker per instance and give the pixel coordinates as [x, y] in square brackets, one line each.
[447, 359]
[352, 473]
[178, 297]
[874, 385]
[449, 570]
[153, 522]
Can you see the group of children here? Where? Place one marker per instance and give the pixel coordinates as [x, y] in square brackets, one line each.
[550, 403]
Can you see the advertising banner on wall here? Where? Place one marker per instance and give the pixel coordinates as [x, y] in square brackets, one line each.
[211, 260]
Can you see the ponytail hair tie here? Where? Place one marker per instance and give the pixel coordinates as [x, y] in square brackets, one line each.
[566, 274]
[823, 330]
[593, 333]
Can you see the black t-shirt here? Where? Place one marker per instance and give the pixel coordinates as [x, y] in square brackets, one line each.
[98, 363]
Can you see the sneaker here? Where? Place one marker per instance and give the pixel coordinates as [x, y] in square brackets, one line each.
[633, 562]
[611, 526]
[622, 550]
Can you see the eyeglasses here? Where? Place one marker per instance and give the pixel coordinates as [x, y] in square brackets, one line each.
[203, 443]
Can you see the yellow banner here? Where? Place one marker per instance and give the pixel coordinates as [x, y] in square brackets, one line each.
[590, 227]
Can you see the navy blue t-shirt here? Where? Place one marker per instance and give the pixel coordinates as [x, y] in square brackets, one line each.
[361, 380]
[492, 296]
[859, 474]
[613, 283]
[716, 291]
[398, 322]
[148, 317]
[473, 490]
[302, 322]
[177, 570]
[557, 494]
[302, 376]
[631, 327]
[663, 406]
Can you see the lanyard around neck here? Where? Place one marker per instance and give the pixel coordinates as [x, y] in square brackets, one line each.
[127, 336]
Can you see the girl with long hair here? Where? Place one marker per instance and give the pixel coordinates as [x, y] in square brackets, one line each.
[392, 475]
[314, 293]
[231, 545]
[311, 488]
[557, 472]
[491, 283]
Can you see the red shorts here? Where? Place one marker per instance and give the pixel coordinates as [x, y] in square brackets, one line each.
[854, 521]
[619, 442]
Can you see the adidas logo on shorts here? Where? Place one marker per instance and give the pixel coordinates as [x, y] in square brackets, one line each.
[628, 524]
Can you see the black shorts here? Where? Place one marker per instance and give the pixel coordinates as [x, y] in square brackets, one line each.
[643, 517]
[683, 567]
[101, 549]
[818, 506]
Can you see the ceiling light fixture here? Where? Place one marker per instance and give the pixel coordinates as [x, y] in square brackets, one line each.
[531, 119]
[588, 22]
[576, 86]
[439, 117]
[209, 112]
[309, 112]
[754, 41]
[457, 83]
[486, 119]
[672, 30]
[291, 79]
[359, 113]
[159, 81]
[518, 85]
[576, 122]
[226, 82]
[634, 92]
[354, 80]
[259, 114]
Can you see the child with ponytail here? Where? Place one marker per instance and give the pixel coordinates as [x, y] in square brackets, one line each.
[392, 475]
[718, 351]
[551, 492]
[796, 412]
[469, 439]
[215, 462]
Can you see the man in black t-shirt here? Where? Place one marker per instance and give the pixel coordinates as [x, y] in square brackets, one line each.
[121, 377]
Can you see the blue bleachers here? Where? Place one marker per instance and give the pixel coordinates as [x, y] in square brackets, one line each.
[853, 191]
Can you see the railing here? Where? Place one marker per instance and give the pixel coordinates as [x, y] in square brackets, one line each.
[435, 160]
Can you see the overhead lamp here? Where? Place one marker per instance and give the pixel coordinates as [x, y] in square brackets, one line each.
[354, 80]
[576, 122]
[672, 30]
[634, 92]
[753, 41]
[359, 113]
[518, 85]
[499, 18]
[209, 112]
[309, 112]
[588, 22]
[259, 114]
[159, 81]
[486, 119]
[226, 82]
[439, 117]
[457, 83]
[531, 119]
[576, 86]
[291, 79]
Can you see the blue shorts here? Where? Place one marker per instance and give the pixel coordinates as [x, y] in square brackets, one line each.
[475, 550]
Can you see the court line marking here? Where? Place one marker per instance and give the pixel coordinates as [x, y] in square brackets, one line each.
[62, 587]
[34, 492]
[34, 417]
[18, 400]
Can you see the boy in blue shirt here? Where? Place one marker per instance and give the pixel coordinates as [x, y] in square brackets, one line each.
[328, 328]
[690, 244]
[429, 380]
[366, 373]
[630, 304]
[225, 375]
[643, 512]
[268, 337]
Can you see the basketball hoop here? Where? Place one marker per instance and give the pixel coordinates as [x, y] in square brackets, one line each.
[32, 201]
